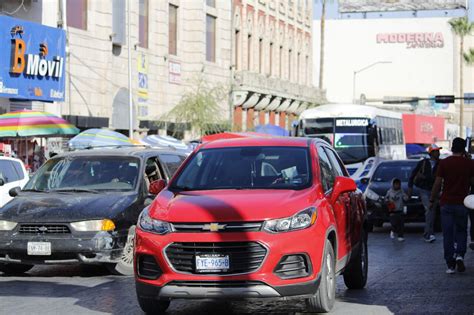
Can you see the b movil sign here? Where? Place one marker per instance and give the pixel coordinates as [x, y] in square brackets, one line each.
[32, 61]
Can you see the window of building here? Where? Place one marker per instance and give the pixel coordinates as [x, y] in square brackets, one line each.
[260, 56]
[143, 24]
[249, 52]
[211, 3]
[306, 72]
[270, 70]
[210, 38]
[76, 12]
[298, 68]
[237, 50]
[289, 64]
[173, 30]
[280, 59]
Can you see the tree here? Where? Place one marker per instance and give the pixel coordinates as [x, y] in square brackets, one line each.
[469, 56]
[199, 107]
[461, 27]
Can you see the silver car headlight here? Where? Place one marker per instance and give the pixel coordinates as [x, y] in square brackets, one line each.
[148, 224]
[93, 225]
[370, 194]
[299, 221]
[7, 225]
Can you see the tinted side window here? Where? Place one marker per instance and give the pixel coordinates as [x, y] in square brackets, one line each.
[327, 171]
[7, 172]
[19, 170]
[336, 163]
[172, 162]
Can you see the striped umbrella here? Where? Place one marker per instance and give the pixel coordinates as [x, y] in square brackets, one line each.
[91, 138]
[165, 141]
[29, 123]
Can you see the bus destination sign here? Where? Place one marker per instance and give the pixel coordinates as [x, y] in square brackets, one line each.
[352, 122]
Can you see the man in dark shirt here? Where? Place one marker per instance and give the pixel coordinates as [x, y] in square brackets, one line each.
[423, 177]
[454, 174]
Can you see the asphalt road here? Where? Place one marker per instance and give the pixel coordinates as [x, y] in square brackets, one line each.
[404, 277]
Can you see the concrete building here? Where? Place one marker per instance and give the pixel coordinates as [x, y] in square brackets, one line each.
[374, 55]
[173, 44]
[272, 62]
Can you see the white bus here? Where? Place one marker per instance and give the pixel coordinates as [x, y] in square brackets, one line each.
[357, 132]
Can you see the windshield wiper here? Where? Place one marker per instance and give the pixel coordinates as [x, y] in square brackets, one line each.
[35, 190]
[76, 190]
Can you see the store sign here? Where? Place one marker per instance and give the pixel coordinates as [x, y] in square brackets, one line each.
[352, 122]
[423, 129]
[32, 61]
[413, 40]
[174, 72]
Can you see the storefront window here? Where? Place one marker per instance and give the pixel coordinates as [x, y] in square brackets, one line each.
[210, 38]
[143, 23]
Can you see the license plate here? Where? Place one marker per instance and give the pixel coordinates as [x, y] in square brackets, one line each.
[39, 248]
[218, 263]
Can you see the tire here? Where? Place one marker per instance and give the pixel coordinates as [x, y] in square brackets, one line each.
[323, 301]
[355, 274]
[370, 227]
[151, 306]
[14, 269]
[125, 266]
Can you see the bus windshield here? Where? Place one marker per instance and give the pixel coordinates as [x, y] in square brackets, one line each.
[352, 148]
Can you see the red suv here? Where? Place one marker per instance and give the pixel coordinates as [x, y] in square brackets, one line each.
[253, 218]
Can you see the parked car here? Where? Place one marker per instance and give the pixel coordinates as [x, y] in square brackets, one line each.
[82, 207]
[380, 183]
[253, 218]
[12, 174]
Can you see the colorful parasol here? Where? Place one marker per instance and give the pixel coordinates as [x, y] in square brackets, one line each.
[94, 138]
[28, 123]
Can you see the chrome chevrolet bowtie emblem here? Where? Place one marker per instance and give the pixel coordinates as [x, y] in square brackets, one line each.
[43, 229]
[214, 227]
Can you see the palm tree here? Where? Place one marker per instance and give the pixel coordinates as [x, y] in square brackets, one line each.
[461, 27]
[469, 56]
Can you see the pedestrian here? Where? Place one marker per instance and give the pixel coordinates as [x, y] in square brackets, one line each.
[423, 177]
[454, 175]
[394, 199]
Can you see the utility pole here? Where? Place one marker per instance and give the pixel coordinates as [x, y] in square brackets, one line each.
[130, 95]
[321, 44]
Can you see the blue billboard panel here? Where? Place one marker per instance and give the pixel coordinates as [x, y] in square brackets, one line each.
[32, 60]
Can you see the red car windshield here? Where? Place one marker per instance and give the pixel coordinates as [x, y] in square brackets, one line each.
[246, 168]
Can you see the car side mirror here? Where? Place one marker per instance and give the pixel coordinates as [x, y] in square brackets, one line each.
[14, 191]
[2, 182]
[364, 180]
[342, 185]
[157, 186]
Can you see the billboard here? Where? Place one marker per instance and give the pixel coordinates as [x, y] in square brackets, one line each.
[423, 129]
[32, 61]
[354, 6]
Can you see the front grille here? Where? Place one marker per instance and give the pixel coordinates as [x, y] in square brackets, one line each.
[215, 284]
[148, 268]
[44, 228]
[221, 227]
[293, 266]
[244, 257]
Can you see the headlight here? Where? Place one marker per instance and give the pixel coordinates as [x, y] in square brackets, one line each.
[7, 225]
[148, 224]
[370, 194]
[94, 225]
[299, 221]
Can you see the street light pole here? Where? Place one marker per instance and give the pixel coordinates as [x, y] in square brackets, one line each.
[360, 70]
[130, 96]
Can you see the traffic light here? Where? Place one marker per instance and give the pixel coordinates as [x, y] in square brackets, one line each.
[444, 99]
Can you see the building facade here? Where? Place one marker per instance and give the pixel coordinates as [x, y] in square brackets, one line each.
[272, 62]
[259, 49]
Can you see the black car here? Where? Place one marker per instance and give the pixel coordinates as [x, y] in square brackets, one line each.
[380, 183]
[82, 207]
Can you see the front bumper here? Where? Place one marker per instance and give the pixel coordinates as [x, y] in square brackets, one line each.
[219, 290]
[71, 248]
[263, 282]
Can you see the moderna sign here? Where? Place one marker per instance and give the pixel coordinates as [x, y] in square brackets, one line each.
[32, 61]
[413, 40]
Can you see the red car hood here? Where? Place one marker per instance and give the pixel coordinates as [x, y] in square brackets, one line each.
[230, 205]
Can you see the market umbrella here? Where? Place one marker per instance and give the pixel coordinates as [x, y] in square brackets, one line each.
[27, 123]
[272, 130]
[91, 138]
[164, 141]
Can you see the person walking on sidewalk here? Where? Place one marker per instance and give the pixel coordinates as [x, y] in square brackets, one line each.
[423, 177]
[395, 198]
[454, 174]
